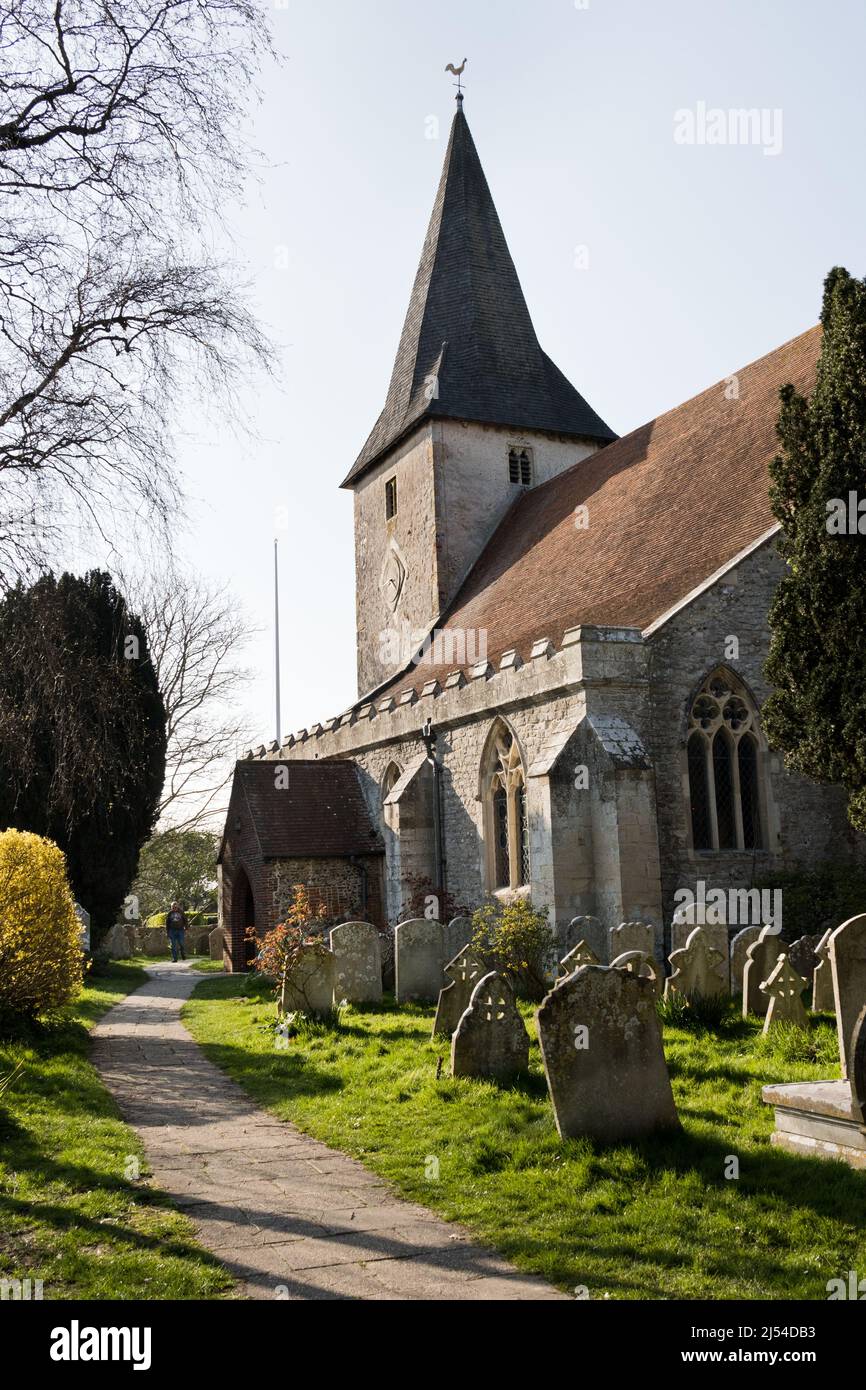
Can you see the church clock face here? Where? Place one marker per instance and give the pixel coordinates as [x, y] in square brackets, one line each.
[393, 579]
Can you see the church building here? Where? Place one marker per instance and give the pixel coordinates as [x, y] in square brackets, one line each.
[561, 636]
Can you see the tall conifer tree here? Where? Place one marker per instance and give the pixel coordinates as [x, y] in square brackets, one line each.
[817, 660]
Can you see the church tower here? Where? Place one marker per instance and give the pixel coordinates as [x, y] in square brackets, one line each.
[475, 414]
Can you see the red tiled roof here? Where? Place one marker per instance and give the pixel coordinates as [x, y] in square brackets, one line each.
[668, 505]
[321, 813]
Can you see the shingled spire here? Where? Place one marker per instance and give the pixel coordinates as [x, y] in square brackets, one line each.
[468, 349]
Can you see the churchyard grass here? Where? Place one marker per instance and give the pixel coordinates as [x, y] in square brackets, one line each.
[654, 1219]
[69, 1214]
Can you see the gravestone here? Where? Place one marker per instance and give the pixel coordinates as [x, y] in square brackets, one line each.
[419, 957]
[631, 936]
[153, 941]
[847, 950]
[491, 1037]
[802, 955]
[580, 955]
[83, 928]
[717, 937]
[117, 944]
[358, 963]
[308, 988]
[199, 941]
[593, 932]
[761, 960]
[458, 934]
[216, 943]
[784, 989]
[823, 998]
[739, 949]
[695, 968]
[640, 964]
[858, 1070]
[601, 1043]
[464, 972]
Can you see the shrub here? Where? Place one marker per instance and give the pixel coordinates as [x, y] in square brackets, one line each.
[815, 899]
[40, 955]
[281, 948]
[516, 938]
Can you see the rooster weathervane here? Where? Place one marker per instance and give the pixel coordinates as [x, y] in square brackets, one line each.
[458, 73]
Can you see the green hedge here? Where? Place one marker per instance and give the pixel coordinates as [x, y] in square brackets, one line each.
[815, 899]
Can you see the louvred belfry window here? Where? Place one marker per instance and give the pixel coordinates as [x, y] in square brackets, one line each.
[723, 753]
[520, 466]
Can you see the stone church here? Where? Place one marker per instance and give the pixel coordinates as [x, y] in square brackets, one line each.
[561, 635]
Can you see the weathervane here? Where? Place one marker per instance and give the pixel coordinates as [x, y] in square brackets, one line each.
[458, 73]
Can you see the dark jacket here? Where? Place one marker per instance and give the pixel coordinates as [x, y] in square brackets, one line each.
[176, 919]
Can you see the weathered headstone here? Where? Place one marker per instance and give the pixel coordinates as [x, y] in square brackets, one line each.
[154, 941]
[582, 954]
[83, 927]
[216, 943]
[592, 931]
[847, 950]
[640, 964]
[358, 963]
[198, 941]
[695, 968]
[458, 933]
[464, 972]
[308, 988]
[631, 936]
[823, 998]
[601, 1043]
[491, 1037]
[419, 957]
[739, 949]
[784, 989]
[802, 955]
[117, 945]
[858, 1069]
[761, 960]
[716, 934]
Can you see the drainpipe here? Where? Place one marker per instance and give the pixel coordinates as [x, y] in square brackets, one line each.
[429, 736]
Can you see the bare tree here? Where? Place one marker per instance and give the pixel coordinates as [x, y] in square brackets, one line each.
[195, 635]
[119, 145]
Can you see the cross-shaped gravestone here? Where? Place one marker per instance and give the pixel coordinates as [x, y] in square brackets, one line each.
[464, 972]
[823, 999]
[491, 1038]
[848, 958]
[581, 955]
[644, 966]
[785, 991]
[695, 969]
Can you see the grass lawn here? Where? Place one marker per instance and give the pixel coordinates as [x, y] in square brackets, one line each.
[69, 1214]
[656, 1219]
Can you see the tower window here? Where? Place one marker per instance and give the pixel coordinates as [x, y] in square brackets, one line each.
[520, 467]
[390, 498]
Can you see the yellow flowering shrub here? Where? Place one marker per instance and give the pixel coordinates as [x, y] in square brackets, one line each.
[40, 958]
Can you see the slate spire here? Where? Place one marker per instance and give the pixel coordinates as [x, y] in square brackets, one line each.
[468, 350]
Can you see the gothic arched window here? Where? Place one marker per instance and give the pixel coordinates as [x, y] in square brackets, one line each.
[724, 767]
[504, 792]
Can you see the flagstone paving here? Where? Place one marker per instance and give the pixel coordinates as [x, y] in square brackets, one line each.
[288, 1216]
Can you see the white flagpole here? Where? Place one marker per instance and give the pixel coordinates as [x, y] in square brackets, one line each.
[279, 735]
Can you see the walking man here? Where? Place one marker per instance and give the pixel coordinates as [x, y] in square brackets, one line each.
[176, 925]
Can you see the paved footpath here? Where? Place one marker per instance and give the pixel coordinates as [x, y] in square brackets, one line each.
[288, 1216]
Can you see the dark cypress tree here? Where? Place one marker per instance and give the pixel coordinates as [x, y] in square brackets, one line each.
[817, 660]
[82, 731]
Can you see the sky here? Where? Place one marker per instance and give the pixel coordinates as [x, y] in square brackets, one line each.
[654, 262]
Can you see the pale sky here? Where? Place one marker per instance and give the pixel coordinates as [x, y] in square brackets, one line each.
[696, 258]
